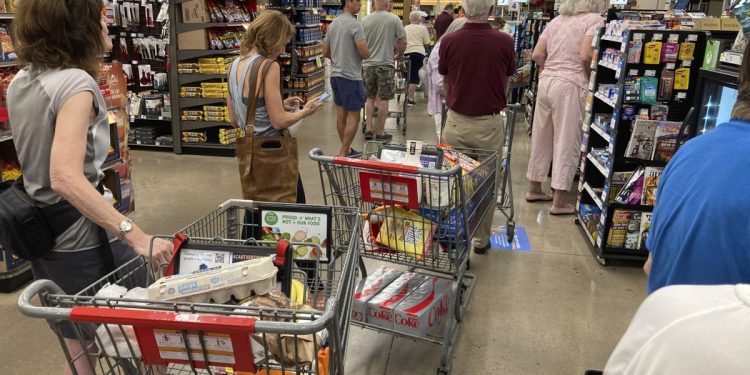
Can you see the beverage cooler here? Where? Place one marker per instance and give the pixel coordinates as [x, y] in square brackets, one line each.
[718, 88]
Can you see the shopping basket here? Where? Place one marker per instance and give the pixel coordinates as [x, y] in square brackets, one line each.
[153, 337]
[421, 218]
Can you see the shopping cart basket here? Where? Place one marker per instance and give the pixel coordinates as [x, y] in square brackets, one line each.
[446, 206]
[200, 338]
[505, 192]
[402, 76]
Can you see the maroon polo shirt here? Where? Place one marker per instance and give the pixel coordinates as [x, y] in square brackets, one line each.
[443, 20]
[477, 61]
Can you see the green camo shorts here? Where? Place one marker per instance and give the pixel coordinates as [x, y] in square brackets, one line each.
[380, 82]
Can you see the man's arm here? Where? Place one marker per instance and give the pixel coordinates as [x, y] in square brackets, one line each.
[326, 49]
[400, 47]
[362, 48]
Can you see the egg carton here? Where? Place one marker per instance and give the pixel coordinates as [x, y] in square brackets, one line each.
[238, 280]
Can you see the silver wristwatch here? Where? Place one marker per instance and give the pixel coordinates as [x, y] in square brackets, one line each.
[125, 226]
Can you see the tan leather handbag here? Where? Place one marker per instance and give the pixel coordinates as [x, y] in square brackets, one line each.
[268, 166]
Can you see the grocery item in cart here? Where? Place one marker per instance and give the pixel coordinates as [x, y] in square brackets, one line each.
[117, 340]
[405, 232]
[380, 309]
[423, 310]
[442, 191]
[238, 280]
[369, 287]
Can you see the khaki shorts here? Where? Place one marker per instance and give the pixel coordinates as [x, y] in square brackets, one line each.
[380, 82]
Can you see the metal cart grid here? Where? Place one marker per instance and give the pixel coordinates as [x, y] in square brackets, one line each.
[331, 300]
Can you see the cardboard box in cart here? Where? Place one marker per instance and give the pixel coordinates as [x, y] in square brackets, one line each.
[380, 309]
[368, 288]
[423, 310]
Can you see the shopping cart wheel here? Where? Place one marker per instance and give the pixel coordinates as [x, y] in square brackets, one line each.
[510, 230]
[443, 371]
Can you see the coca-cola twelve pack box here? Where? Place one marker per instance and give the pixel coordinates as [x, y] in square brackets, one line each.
[423, 310]
[368, 288]
[380, 308]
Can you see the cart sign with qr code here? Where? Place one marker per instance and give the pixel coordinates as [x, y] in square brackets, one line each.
[388, 189]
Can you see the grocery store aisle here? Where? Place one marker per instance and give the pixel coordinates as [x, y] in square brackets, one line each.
[553, 310]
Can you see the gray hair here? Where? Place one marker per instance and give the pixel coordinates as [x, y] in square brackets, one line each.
[415, 16]
[573, 7]
[478, 9]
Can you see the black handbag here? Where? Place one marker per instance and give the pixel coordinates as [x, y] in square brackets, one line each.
[30, 231]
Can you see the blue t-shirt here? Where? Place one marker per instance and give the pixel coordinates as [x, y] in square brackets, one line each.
[700, 230]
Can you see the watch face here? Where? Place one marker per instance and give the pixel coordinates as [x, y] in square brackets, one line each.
[126, 226]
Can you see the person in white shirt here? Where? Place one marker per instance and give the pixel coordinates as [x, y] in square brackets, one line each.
[687, 330]
[417, 36]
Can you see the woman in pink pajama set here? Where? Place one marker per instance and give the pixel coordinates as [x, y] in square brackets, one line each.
[563, 54]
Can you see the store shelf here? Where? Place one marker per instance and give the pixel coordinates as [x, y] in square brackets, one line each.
[310, 58]
[289, 91]
[7, 16]
[614, 67]
[601, 132]
[331, 5]
[193, 78]
[612, 102]
[196, 125]
[634, 207]
[623, 253]
[307, 25]
[309, 43]
[612, 38]
[585, 231]
[9, 63]
[307, 75]
[16, 278]
[150, 118]
[5, 137]
[604, 171]
[207, 146]
[597, 199]
[193, 102]
[645, 163]
[189, 54]
[147, 146]
[185, 27]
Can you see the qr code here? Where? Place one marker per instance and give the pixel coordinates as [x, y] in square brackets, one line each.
[220, 257]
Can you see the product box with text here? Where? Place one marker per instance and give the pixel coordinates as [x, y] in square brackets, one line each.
[381, 307]
[368, 288]
[424, 309]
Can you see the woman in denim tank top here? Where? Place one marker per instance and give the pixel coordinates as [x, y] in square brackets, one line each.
[266, 38]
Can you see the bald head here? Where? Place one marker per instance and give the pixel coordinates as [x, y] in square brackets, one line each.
[381, 4]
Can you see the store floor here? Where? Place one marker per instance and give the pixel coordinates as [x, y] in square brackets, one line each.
[553, 310]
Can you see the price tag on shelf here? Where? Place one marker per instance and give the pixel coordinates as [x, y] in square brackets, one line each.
[692, 38]
[315, 11]
[687, 64]
[599, 241]
[681, 95]
[611, 148]
[650, 73]
[658, 37]
[674, 38]
[633, 72]
[670, 66]
[319, 62]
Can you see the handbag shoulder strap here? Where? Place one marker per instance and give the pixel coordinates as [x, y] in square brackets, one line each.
[255, 90]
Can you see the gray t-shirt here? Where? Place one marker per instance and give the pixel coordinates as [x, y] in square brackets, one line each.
[381, 30]
[34, 100]
[342, 34]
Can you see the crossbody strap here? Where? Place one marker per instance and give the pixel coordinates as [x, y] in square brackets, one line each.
[254, 91]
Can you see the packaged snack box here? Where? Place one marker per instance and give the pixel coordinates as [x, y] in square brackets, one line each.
[368, 288]
[380, 308]
[424, 309]
[406, 232]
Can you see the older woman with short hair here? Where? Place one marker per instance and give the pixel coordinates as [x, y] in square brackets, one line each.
[417, 36]
[559, 109]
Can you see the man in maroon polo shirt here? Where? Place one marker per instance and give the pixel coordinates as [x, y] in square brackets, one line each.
[443, 20]
[477, 62]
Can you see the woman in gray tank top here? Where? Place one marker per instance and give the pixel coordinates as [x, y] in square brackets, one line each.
[266, 38]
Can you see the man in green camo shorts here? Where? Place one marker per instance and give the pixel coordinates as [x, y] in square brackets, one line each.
[385, 37]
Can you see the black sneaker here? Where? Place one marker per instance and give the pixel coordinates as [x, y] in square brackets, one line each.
[383, 137]
[353, 153]
[369, 135]
[411, 103]
[481, 250]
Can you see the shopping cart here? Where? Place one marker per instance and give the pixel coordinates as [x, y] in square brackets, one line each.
[200, 338]
[505, 193]
[403, 74]
[451, 205]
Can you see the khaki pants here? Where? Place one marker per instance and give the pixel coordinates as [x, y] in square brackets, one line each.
[483, 133]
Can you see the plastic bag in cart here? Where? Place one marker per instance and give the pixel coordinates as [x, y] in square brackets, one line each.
[117, 340]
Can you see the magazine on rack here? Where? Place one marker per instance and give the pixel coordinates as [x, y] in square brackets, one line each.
[645, 226]
[619, 179]
[625, 229]
[641, 144]
[666, 140]
[650, 185]
[632, 190]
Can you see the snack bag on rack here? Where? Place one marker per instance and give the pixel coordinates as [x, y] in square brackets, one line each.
[406, 232]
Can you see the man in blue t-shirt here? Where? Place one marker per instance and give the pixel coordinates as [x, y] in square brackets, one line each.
[700, 230]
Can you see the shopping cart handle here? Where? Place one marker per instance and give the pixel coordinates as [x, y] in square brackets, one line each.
[42, 312]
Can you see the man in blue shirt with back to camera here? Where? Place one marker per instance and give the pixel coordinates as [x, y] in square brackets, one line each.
[700, 230]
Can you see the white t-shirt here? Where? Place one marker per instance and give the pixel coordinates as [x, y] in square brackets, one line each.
[417, 37]
[687, 330]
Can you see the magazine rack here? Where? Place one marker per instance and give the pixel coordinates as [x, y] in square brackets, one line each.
[607, 129]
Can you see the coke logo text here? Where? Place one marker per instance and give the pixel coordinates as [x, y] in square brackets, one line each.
[437, 311]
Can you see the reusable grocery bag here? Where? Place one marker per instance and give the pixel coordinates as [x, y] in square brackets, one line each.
[268, 165]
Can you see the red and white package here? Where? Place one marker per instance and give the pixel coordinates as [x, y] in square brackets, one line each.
[380, 308]
[368, 288]
[423, 310]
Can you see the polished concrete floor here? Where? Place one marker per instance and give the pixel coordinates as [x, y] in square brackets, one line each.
[553, 310]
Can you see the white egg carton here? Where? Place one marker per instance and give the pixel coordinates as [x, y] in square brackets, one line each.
[238, 280]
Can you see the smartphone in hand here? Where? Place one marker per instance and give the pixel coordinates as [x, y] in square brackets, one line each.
[323, 97]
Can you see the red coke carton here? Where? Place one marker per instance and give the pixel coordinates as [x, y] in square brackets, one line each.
[368, 288]
[380, 308]
[424, 309]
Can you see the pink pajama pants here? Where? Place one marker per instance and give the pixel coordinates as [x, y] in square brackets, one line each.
[556, 133]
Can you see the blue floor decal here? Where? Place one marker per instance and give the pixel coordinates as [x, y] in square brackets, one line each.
[499, 240]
